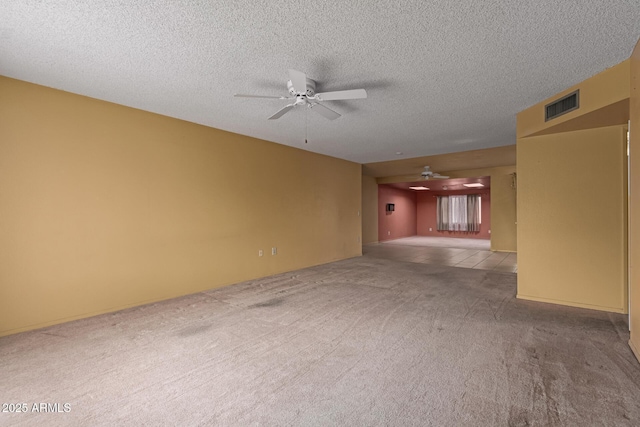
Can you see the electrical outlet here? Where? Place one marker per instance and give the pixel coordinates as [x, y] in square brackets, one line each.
[274, 251]
[358, 213]
[489, 231]
[358, 239]
[260, 253]
[388, 233]
[430, 229]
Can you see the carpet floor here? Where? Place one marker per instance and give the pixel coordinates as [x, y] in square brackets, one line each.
[357, 342]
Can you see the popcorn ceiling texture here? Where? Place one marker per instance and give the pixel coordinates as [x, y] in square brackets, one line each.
[441, 76]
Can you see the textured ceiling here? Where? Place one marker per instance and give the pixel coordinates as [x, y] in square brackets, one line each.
[442, 76]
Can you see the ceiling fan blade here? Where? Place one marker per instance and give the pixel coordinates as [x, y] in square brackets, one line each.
[324, 111]
[437, 175]
[281, 112]
[298, 80]
[242, 95]
[342, 94]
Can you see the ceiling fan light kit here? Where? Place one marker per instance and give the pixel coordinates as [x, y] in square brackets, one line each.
[303, 93]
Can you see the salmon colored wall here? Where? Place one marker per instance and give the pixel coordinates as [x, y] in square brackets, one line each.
[402, 221]
[104, 207]
[503, 202]
[426, 215]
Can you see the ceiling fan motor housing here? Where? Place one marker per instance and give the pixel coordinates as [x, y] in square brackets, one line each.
[305, 94]
[311, 88]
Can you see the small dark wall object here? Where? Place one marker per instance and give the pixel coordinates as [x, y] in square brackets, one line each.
[391, 207]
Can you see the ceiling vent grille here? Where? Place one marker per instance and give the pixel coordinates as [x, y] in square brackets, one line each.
[562, 106]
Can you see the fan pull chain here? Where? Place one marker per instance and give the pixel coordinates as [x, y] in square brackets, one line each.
[306, 121]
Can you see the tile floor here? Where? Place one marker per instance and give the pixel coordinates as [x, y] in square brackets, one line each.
[456, 256]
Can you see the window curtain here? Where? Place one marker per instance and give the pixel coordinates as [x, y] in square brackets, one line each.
[473, 212]
[442, 213]
[458, 213]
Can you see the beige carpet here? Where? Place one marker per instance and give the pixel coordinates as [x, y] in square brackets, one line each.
[357, 342]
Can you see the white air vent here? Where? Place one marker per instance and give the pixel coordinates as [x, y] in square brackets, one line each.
[562, 106]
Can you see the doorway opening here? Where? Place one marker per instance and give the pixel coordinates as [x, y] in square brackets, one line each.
[446, 209]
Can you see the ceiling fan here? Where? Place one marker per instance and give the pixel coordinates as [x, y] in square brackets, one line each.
[428, 174]
[303, 92]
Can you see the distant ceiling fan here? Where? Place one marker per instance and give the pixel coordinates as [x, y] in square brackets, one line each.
[428, 174]
[303, 92]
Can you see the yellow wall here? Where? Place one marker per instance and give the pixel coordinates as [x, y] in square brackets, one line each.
[572, 201]
[634, 202]
[503, 211]
[603, 102]
[104, 207]
[369, 210]
[503, 202]
[572, 218]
